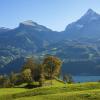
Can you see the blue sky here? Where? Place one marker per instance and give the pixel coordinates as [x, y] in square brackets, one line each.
[55, 14]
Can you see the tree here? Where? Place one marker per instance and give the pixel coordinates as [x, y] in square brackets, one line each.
[33, 66]
[1, 80]
[13, 78]
[42, 77]
[67, 78]
[52, 66]
[27, 76]
[70, 79]
[29, 64]
[6, 82]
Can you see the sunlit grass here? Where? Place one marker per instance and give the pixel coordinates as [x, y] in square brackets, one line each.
[6, 91]
[57, 91]
[78, 95]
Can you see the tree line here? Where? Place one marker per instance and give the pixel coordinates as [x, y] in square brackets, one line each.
[35, 71]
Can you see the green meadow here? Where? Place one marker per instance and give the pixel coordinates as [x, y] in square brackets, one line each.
[57, 91]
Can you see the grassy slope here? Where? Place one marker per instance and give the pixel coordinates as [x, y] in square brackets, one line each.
[78, 95]
[58, 91]
[6, 91]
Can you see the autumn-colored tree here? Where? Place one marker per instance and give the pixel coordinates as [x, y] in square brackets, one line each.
[32, 65]
[27, 76]
[52, 66]
[29, 64]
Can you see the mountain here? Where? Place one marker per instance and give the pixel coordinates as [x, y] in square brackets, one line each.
[3, 29]
[27, 39]
[78, 45]
[28, 36]
[79, 49]
[73, 50]
[88, 26]
[78, 56]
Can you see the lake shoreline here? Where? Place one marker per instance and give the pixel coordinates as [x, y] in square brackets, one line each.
[82, 78]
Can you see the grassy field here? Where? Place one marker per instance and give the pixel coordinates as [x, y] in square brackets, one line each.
[58, 91]
[79, 95]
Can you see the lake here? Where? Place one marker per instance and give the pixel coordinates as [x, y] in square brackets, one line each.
[86, 78]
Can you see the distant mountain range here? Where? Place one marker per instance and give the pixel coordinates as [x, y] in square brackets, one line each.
[78, 45]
